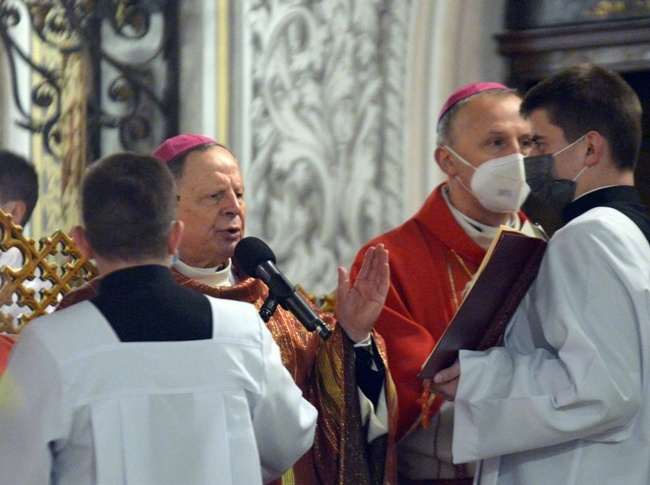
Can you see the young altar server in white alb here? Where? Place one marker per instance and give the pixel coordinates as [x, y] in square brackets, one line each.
[148, 382]
[566, 400]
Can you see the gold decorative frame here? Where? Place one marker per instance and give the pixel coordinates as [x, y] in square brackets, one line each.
[56, 259]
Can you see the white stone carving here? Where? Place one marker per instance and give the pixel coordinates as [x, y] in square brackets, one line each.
[326, 120]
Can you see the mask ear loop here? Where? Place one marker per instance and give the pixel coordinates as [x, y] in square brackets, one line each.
[463, 185]
[569, 145]
[581, 172]
[566, 148]
[462, 160]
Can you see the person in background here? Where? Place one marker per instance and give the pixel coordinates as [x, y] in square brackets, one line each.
[482, 140]
[148, 382]
[565, 400]
[18, 197]
[18, 187]
[344, 377]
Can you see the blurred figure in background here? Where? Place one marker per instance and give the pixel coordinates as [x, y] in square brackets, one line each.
[18, 197]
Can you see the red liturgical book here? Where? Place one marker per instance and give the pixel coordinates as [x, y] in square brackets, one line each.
[502, 280]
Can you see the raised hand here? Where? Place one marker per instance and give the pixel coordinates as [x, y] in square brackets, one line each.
[358, 307]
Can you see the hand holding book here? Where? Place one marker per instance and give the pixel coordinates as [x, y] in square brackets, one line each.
[502, 280]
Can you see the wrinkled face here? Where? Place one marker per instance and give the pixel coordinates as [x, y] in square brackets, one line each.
[550, 139]
[488, 127]
[211, 205]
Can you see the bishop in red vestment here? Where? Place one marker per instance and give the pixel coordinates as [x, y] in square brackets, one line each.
[211, 204]
[481, 143]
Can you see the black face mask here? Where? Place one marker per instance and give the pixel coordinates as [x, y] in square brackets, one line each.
[554, 193]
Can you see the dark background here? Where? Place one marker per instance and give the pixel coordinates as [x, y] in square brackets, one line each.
[545, 36]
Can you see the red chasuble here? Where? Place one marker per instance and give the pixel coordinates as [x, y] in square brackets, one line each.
[431, 261]
[6, 343]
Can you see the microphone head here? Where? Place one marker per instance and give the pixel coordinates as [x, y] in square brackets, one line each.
[250, 252]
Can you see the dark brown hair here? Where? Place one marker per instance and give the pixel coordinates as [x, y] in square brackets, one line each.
[128, 206]
[18, 181]
[591, 98]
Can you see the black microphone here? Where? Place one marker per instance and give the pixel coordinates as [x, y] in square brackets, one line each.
[257, 260]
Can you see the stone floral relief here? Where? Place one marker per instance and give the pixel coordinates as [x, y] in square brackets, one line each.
[326, 100]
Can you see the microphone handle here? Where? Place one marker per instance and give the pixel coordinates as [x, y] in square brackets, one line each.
[297, 305]
[268, 307]
[290, 299]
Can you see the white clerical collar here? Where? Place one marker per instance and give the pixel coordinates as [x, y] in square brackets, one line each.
[480, 233]
[209, 276]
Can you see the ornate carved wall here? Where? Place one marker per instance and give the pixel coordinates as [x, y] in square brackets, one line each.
[325, 105]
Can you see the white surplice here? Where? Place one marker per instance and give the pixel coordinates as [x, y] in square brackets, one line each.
[567, 399]
[79, 406]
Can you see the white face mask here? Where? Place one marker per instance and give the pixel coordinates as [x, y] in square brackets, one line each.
[498, 184]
